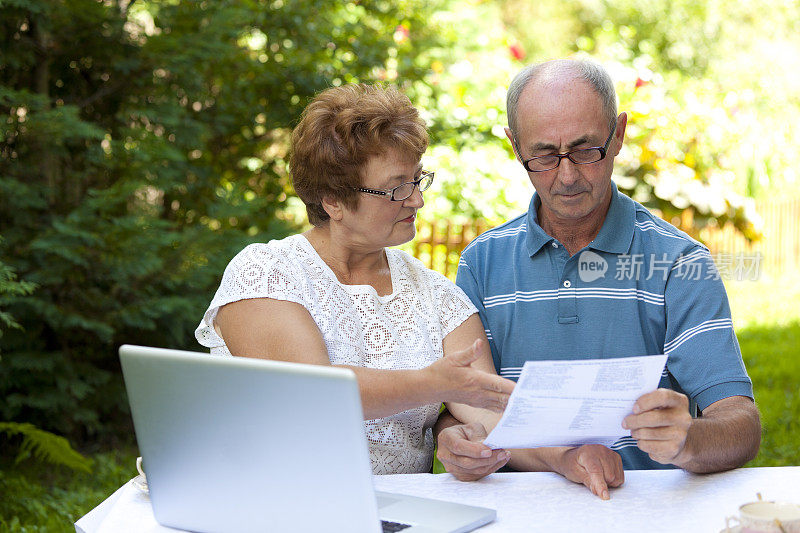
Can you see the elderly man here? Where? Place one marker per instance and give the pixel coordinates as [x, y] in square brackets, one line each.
[651, 290]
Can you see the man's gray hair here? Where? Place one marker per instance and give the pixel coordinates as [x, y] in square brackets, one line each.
[589, 71]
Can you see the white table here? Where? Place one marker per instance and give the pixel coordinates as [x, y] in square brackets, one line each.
[650, 500]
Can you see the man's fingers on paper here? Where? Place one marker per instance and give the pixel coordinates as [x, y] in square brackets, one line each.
[648, 419]
[659, 418]
[660, 433]
[660, 399]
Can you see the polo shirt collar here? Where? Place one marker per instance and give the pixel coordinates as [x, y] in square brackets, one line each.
[535, 238]
[615, 236]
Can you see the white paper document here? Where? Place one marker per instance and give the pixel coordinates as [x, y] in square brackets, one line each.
[569, 403]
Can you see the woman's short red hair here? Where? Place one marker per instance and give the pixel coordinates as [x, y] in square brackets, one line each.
[339, 131]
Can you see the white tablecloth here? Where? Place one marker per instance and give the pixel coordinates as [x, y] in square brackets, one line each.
[650, 500]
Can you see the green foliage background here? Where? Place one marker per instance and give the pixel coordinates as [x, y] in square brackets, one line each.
[143, 143]
[143, 147]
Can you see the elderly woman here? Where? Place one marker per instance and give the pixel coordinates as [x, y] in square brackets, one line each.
[335, 295]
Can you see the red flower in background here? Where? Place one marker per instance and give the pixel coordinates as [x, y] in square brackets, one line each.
[401, 34]
[517, 52]
[640, 82]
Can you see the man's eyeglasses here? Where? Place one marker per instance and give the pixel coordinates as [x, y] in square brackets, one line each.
[582, 156]
[404, 190]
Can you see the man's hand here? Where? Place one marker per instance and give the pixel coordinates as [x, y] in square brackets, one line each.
[593, 465]
[457, 381]
[463, 454]
[660, 424]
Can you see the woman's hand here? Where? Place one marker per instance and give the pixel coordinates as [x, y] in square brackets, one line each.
[456, 380]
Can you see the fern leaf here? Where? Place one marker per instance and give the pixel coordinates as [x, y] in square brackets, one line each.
[45, 446]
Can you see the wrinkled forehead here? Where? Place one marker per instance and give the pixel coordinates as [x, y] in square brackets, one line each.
[559, 109]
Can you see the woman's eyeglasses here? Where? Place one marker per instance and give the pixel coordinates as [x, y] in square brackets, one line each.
[404, 190]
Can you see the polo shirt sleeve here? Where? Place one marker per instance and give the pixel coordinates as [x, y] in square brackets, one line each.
[704, 355]
[466, 280]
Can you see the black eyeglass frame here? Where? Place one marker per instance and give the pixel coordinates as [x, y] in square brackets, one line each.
[603, 151]
[391, 192]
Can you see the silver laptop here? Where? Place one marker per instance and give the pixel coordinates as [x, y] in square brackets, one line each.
[236, 444]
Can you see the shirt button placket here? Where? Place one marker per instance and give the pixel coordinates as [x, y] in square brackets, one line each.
[567, 298]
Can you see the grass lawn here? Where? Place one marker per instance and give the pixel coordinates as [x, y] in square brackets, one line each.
[767, 318]
[773, 362]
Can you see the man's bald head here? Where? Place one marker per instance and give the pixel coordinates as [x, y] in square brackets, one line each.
[560, 70]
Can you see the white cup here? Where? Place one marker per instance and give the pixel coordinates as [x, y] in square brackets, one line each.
[767, 517]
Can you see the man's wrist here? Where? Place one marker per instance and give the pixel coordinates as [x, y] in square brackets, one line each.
[547, 459]
[558, 462]
[685, 458]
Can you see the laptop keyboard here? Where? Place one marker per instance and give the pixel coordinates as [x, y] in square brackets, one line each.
[391, 527]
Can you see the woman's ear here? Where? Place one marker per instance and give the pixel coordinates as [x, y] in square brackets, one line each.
[333, 207]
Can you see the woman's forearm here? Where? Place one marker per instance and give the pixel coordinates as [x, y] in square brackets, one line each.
[388, 392]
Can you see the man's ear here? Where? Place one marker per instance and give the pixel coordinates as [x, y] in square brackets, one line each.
[619, 133]
[333, 207]
[510, 135]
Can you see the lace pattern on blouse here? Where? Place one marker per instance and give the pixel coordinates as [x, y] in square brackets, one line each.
[402, 330]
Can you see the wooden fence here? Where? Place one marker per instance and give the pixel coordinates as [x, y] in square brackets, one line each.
[439, 243]
[779, 249]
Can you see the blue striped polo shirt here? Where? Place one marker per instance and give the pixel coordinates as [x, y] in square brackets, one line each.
[641, 287]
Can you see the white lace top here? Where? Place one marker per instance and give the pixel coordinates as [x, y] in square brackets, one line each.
[402, 330]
